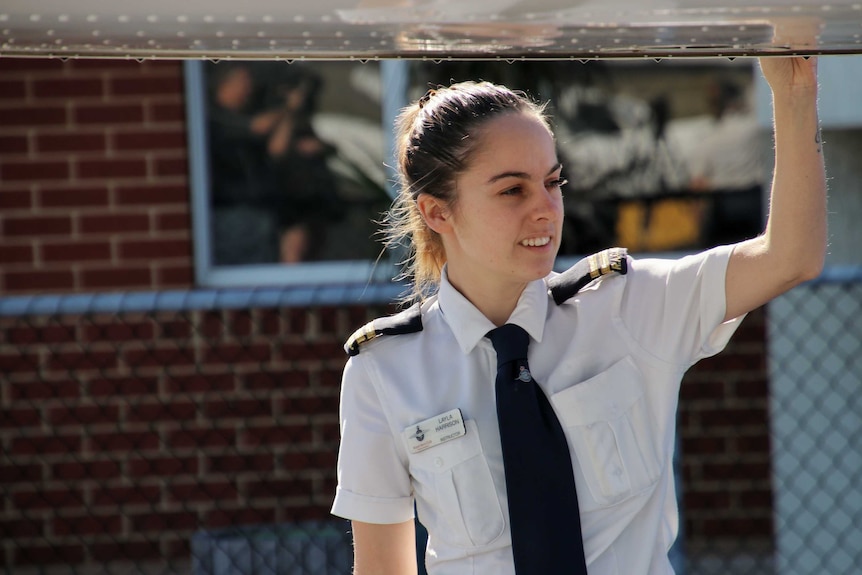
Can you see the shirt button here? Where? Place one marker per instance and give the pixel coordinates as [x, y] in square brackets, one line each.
[438, 461]
[617, 471]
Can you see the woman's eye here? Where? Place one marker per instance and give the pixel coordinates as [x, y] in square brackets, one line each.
[512, 191]
[558, 183]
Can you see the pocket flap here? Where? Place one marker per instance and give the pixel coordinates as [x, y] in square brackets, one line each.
[604, 397]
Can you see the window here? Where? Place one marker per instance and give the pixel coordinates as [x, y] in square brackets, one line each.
[288, 171]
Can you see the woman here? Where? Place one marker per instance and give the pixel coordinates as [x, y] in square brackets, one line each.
[422, 420]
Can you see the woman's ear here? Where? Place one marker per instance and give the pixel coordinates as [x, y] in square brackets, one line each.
[435, 212]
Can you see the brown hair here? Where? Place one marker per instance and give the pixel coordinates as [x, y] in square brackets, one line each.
[435, 139]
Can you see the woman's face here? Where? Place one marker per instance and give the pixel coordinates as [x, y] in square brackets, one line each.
[507, 220]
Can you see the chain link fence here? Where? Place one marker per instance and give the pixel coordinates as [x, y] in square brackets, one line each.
[197, 433]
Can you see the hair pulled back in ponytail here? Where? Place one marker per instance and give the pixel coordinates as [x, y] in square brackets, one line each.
[435, 139]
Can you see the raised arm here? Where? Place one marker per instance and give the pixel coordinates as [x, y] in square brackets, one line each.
[384, 549]
[792, 248]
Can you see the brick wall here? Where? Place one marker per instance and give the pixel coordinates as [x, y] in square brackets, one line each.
[124, 434]
[93, 177]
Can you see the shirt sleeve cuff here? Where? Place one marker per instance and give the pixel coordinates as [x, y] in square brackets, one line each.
[357, 507]
[715, 280]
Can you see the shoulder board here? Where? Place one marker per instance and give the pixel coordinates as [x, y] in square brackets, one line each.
[407, 321]
[571, 281]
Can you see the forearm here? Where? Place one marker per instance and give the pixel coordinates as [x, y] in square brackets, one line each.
[796, 227]
[793, 246]
[384, 549]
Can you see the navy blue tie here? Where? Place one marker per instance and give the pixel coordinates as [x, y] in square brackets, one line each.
[540, 484]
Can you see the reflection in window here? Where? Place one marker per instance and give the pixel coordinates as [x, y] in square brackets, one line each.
[659, 157]
[295, 161]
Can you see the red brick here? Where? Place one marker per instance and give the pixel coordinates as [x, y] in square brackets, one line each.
[238, 408]
[163, 466]
[180, 329]
[124, 441]
[201, 383]
[154, 248]
[173, 221]
[19, 362]
[269, 435]
[329, 378]
[37, 226]
[323, 460]
[20, 473]
[21, 417]
[15, 199]
[309, 405]
[738, 470]
[10, 145]
[16, 254]
[33, 390]
[34, 170]
[203, 491]
[266, 489]
[125, 551]
[132, 168]
[13, 89]
[153, 412]
[125, 495]
[117, 278]
[164, 523]
[167, 112]
[44, 554]
[83, 415]
[700, 445]
[74, 197]
[235, 354]
[275, 379]
[111, 114]
[171, 166]
[115, 223]
[38, 280]
[70, 142]
[123, 386]
[147, 86]
[66, 88]
[153, 194]
[31, 116]
[231, 464]
[48, 499]
[116, 332]
[21, 528]
[240, 323]
[201, 438]
[219, 518]
[734, 417]
[41, 334]
[174, 276]
[101, 469]
[76, 252]
[82, 360]
[706, 500]
[161, 140]
[160, 357]
[91, 524]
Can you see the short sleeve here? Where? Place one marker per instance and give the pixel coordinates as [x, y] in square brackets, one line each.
[373, 482]
[674, 308]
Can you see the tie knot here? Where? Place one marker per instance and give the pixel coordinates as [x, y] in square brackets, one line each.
[510, 342]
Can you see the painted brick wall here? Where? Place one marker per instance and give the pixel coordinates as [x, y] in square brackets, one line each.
[141, 429]
[93, 176]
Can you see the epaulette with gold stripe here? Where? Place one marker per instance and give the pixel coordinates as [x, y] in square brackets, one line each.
[407, 321]
[574, 279]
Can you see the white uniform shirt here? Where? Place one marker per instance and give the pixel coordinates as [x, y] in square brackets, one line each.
[610, 360]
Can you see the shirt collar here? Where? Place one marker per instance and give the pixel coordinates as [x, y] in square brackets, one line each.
[469, 325]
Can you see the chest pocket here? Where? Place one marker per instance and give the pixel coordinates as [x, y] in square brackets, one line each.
[455, 478]
[611, 432]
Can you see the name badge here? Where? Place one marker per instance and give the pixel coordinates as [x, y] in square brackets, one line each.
[434, 431]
